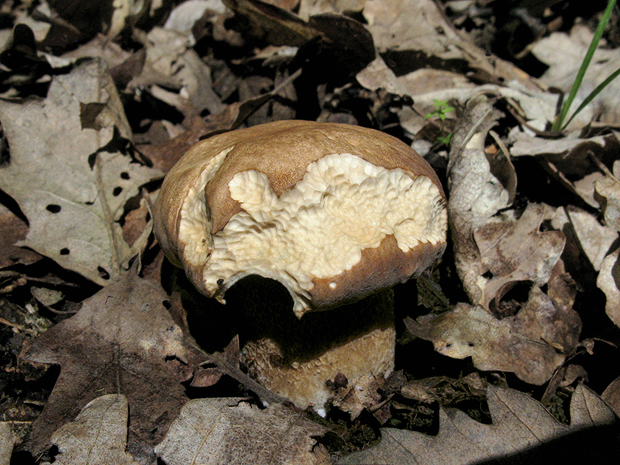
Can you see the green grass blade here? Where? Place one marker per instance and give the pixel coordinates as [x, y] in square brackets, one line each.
[559, 122]
[593, 94]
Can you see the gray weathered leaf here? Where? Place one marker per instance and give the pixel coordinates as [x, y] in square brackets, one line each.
[98, 436]
[228, 431]
[519, 423]
[6, 443]
[69, 175]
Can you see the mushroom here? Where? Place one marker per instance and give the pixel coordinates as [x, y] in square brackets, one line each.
[337, 214]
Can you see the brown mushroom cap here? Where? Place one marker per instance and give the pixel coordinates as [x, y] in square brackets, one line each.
[334, 212]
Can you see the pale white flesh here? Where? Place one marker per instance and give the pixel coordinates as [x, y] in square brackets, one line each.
[317, 229]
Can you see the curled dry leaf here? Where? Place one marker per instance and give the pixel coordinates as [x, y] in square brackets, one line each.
[532, 344]
[427, 86]
[98, 436]
[521, 425]
[364, 394]
[274, 25]
[476, 194]
[226, 430]
[308, 8]
[14, 230]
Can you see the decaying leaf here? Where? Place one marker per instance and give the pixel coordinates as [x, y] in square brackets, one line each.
[98, 436]
[608, 196]
[520, 425]
[116, 344]
[233, 432]
[338, 44]
[515, 251]
[364, 394]
[71, 179]
[6, 443]
[532, 344]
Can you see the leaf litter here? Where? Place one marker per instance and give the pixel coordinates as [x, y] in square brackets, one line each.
[525, 302]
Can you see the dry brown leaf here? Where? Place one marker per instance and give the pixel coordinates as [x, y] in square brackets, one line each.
[334, 45]
[532, 344]
[271, 24]
[229, 431]
[14, 230]
[99, 46]
[98, 436]
[521, 429]
[427, 86]
[69, 175]
[117, 343]
[364, 394]
[419, 26]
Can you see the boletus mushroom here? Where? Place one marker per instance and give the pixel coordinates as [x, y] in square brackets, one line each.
[337, 214]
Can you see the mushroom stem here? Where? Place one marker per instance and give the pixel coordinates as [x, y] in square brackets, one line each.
[307, 359]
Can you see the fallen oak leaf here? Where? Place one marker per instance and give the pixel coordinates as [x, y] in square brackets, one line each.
[117, 343]
[522, 430]
[226, 430]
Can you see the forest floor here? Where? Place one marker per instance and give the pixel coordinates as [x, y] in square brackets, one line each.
[507, 351]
